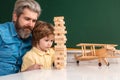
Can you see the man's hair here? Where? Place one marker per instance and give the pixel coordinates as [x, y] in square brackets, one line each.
[41, 29]
[20, 5]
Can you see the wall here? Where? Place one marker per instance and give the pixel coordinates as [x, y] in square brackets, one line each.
[89, 21]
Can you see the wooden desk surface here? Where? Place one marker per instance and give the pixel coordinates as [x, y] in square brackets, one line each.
[85, 71]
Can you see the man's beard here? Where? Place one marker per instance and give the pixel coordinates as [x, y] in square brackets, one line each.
[23, 32]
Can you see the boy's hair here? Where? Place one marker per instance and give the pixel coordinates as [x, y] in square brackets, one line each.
[20, 5]
[41, 29]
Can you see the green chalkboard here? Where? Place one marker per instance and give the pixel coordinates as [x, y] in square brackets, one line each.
[89, 21]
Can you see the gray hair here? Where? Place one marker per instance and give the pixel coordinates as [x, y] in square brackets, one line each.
[30, 4]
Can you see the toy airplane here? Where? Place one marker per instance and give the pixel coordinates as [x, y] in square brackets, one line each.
[92, 51]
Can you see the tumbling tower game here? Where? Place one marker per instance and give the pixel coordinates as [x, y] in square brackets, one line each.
[60, 40]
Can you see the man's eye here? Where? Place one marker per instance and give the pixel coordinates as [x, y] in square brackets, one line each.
[34, 20]
[27, 19]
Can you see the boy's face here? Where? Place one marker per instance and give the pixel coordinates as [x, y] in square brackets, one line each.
[45, 43]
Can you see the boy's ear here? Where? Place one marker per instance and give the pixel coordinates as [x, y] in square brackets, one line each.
[14, 18]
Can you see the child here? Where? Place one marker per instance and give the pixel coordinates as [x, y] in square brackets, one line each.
[41, 55]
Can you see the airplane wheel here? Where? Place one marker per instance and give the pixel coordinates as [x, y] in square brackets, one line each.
[77, 62]
[99, 64]
[108, 64]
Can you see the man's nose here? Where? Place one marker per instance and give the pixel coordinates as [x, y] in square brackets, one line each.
[31, 23]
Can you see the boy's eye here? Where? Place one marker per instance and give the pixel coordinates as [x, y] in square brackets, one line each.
[51, 40]
[46, 40]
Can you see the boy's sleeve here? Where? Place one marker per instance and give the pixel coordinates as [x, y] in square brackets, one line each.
[27, 62]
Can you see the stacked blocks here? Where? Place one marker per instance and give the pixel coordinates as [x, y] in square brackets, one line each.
[60, 40]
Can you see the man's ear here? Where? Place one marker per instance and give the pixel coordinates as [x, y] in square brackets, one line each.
[14, 18]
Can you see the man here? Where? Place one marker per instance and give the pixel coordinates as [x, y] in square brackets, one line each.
[15, 36]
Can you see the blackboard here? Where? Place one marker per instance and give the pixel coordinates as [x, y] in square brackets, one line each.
[86, 21]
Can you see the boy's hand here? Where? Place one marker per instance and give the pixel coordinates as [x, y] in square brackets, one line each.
[34, 67]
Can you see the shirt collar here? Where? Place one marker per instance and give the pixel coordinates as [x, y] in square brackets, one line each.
[13, 30]
[40, 52]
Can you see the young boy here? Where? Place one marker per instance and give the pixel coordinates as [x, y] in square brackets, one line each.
[41, 55]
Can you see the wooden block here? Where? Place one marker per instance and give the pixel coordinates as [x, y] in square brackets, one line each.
[60, 58]
[60, 62]
[60, 24]
[60, 32]
[58, 18]
[60, 48]
[60, 42]
[56, 28]
[61, 53]
[63, 37]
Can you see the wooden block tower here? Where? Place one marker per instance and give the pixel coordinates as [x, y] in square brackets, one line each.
[60, 40]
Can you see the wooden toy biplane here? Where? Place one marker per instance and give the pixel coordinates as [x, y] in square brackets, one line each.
[92, 51]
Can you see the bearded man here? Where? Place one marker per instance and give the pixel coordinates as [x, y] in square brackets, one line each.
[15, 36]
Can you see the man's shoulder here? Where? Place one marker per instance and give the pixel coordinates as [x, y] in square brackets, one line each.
[6, 25]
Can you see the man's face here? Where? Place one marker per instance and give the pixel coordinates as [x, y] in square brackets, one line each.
[25, 23]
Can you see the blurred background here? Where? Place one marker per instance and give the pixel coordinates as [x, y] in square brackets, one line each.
[86, 21]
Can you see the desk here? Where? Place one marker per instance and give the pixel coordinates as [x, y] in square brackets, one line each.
[85, 71]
